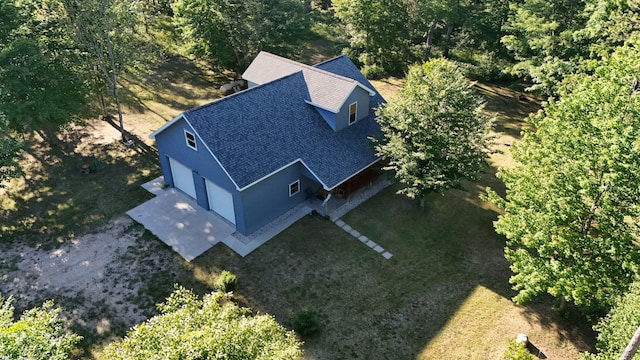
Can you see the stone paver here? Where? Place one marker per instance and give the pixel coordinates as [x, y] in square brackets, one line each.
[363, 239]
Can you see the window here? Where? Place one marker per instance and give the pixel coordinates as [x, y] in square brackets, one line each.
[294, 188]
[191, 140]
[353, 113]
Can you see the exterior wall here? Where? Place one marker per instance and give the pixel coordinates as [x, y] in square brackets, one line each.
[360, 96]
[268, 199]
[171, 143]
[251, 84]
[255, 206]
[329, 117]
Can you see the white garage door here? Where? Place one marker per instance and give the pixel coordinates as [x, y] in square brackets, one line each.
[182, 178]
[221, 201]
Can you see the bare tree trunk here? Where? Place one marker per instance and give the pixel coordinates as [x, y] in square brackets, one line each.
[432, 28]
[114, 79]
[632, 348]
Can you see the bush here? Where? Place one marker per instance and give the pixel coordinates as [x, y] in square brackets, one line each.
[226, 282]
[305, 323]
[373, 72]
[517, 351]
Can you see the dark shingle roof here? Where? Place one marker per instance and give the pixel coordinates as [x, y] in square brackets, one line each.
[326, 89]
[258, 131]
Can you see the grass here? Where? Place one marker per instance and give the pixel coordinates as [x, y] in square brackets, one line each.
[444, 294]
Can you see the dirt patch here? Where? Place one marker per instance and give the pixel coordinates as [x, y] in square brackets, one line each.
[90, 276]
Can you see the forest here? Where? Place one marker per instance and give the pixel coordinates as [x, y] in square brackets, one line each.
[570, 207]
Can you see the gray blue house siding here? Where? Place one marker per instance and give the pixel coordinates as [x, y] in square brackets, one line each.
[358, 96]
[269, 198]
[171, 143]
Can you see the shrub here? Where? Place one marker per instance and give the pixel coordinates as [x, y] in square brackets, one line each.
[226, 282]
[373, 71]
[517, 351]
[305, 322]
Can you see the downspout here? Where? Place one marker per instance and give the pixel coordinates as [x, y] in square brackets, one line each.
[324, 204]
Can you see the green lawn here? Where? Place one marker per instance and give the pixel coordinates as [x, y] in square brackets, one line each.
[443, 294]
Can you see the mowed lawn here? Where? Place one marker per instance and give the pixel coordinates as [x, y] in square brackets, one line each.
[443, 294]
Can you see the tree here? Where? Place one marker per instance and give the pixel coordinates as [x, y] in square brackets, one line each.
[108, 31]
[233, 32]
[434, 132]
[540, 34]
[618, 327]
[9, 156]
[38, 334]
[209, 328]
[41, 88]
[378, 32]
[572, 200]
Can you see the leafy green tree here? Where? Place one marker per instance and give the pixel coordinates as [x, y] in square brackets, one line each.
[209, 328]
[40, 86]
[434, 132]
[9, 157]
[233, 32]
[378, 31]
[618, 327]
[38, 334]
[609, 24]
[572, 200]
[540, 34]
[108, 31]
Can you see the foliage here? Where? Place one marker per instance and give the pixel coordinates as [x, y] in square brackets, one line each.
[517, 351]
[211, 327]
[38, 334]
[572, 200]
[40, 85]
[617, 328]
[306, 322]
[434, 133]
[378, 32]
[9, 156]
[108, 31]
[226, 282]
[540, 36]
[551, 40]
[233, 32]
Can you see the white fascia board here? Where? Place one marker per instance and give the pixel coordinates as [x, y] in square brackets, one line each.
[370, 91]
[166, 125]
[211, 152]
[322, 107]
[352, 175]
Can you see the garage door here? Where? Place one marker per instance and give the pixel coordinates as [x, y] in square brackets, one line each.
[182, 178]
[220, 201]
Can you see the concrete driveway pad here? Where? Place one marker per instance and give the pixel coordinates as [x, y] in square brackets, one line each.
[178, 221]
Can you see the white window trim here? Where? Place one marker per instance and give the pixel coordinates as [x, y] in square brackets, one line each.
[297, 190]
[186, 139]
[355, 118]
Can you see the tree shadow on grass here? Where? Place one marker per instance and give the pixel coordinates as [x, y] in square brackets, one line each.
[58, 198]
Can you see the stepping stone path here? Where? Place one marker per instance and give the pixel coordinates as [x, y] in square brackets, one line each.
[363, 239]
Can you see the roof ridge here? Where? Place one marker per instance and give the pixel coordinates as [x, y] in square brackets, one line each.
[240, 93]
[312, 67]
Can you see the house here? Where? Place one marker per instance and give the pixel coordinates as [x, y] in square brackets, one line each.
[298, 132]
